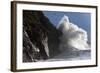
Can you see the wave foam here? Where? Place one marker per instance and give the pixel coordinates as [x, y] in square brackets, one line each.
[73, 36]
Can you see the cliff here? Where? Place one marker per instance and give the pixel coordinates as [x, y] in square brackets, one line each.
[40, 37]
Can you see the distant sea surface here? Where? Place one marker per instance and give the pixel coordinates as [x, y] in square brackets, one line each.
[72, 55]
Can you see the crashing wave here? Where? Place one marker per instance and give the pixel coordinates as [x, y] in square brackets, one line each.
[73, 36]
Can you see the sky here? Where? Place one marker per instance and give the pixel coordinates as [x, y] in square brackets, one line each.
[83, 20]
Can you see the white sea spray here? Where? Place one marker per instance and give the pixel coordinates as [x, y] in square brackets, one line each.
[73, 37]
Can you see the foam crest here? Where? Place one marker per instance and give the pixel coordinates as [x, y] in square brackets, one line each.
[73, 36]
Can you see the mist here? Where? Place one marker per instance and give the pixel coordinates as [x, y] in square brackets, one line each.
[73, 37]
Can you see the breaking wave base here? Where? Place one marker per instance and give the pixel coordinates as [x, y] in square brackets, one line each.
[73, 41]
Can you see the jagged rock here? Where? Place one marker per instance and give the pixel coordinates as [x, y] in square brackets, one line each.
[30, 51]
[40, 37]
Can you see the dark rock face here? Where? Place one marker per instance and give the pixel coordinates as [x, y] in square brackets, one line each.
[40, 37]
